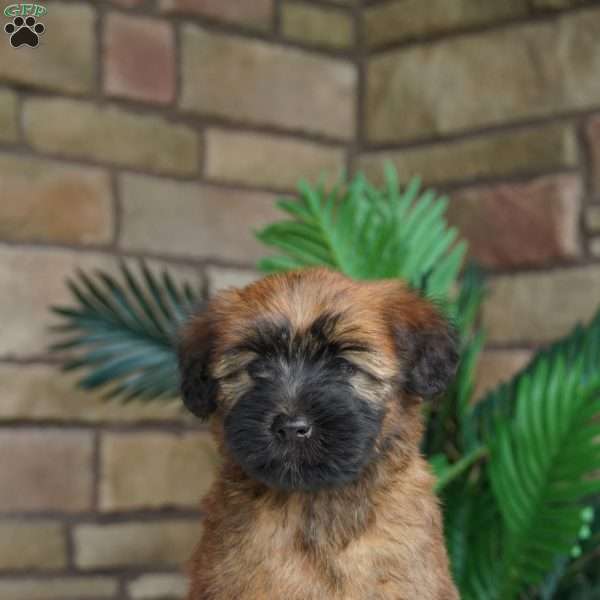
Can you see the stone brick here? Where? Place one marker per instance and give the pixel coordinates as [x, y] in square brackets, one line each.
[201, 220]
[257, 14]
[154, 470]
[592, 218]
[164, 543]
[54, 470]
[267, 160]
[261, 83]
[452, 85]
[65, 588]
[110, 134]
[496, 154]
[540, 307]
[593, 137]
[518, 224]
[48, 201]
[64, 60]
[220, 278]
[158, 587]
[41, 392]
[33, 280]
[139, 58]
[405, 19]
[36, 545]
[496, 367]
[316, 25]
[8, 116]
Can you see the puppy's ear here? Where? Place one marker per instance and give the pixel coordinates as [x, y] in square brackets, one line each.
[431, 359]
[426, 344]
[198, 387]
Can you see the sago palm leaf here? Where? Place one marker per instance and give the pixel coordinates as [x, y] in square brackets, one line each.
[582, 343]
[123, 331]
[581, 346]
[368, 233]
[541, 468]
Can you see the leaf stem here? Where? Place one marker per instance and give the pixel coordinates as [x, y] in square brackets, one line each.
[458, 468]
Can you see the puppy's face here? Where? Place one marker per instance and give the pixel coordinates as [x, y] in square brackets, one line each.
[304, 370]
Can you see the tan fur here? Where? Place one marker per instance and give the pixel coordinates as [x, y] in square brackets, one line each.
[379, 538]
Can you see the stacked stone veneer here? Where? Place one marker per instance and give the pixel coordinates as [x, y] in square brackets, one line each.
[166, 129]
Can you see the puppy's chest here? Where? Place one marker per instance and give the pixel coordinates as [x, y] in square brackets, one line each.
[304, 558]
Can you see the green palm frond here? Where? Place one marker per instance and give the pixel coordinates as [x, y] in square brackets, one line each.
[582, 344]
[542, 468]
[123, 331]
[578, 351]
[369, 233]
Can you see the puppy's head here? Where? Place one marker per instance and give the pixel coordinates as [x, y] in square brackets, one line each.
[309, 373]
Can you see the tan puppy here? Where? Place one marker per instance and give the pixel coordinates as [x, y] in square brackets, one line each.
[313, 384]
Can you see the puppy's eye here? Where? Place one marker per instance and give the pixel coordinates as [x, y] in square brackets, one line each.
[257, 370]
[232, 376]
[346, 367]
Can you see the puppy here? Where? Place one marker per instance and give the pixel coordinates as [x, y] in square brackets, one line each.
[313, 385]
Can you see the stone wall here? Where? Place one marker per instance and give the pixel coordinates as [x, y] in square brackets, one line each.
[497, 104]
[166, 128]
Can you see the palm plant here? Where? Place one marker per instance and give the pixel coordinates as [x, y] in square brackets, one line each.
[516, 472]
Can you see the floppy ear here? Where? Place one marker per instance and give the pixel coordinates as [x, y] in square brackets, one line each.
[431, 359]
[198, 387]
[426, 344]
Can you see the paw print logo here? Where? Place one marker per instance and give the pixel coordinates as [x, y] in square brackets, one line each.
[24, 32]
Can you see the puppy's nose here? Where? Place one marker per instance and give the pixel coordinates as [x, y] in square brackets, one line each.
[290, 428]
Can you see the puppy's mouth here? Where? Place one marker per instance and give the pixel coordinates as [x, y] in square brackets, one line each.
[326, 445]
